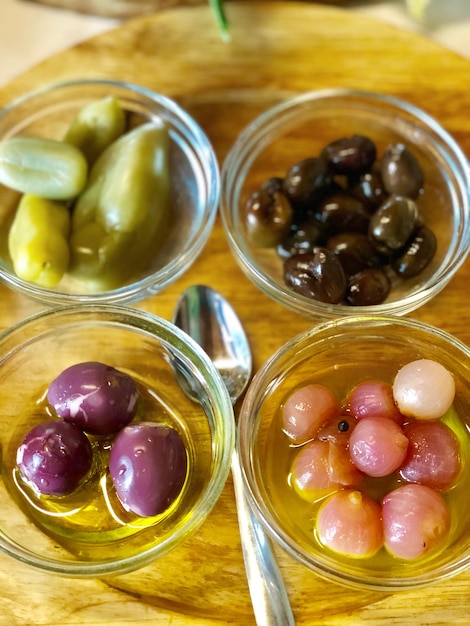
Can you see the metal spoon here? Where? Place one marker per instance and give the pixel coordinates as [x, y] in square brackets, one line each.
[209, 319]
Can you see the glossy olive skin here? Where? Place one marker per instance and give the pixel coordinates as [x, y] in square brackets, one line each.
[350, 155]
[148, 465]
[355, 252]
[368, 287]
[55, 457]
[268, 217]
[300, 240]
[96, 397]
[369, 189]
[401, 172]
[305, 183]
[393, 223]
[342, 213]
[417, 254]
[318, 275]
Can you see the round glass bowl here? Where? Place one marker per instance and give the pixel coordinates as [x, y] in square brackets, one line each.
[87, 533]
[300, 128]
[340, 353]
[194, 183]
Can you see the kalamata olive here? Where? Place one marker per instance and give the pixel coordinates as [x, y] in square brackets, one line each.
[350, 155]
[401, 172]
[368, 287]
[267, 217]
[148, 465]
[98, 398]
[417, 254]
[369, 189]
[55, 457]
[393, 223]
[342, 213]
[355, 252]
[301, 239]
[273, 184]
[318, 276]
[305, 182]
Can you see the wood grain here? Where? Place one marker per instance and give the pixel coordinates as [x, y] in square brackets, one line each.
[276, 49]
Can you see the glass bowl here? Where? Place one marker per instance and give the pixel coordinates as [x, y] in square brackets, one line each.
[299, 128]
[340, 353]
[194, 184]
[87, 533]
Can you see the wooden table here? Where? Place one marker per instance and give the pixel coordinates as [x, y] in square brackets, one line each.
[276, 48]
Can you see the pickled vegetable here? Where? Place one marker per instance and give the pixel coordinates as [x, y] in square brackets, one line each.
[121, 217]
[349, 523]
[54, 457]
[148, 465]
[424, 389]
[42, 167]
[96, 397]
[416, 521]
[96, 126]
[378, 446]
[38, 240]
[306, 410]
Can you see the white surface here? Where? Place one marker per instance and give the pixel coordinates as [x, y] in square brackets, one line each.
[31, 32]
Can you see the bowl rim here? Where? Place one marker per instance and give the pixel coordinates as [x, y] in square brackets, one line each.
[259, 387]
[167, 334]
[254, 138]
[203, 155]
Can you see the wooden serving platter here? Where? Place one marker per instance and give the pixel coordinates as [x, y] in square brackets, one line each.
[277, 49]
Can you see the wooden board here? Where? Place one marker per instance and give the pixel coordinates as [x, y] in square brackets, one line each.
[276, 49]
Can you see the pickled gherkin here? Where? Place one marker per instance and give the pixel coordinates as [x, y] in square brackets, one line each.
[121, 217]
[96, 126]
[37, 240]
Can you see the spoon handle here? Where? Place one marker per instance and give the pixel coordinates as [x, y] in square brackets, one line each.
[269, 598]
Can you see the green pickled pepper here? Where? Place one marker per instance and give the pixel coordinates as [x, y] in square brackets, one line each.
[121, 216]
[38, 240]
[96, 126]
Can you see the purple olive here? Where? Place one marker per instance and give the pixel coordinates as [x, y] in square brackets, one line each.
[98, 398]
[55, 457]
[148, 465]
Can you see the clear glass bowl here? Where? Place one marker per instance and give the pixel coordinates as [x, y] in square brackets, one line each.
[195, 183]
[67, 536]
[341, 353]
[300, 127]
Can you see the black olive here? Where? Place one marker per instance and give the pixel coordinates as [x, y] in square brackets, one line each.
[350, 155]
[401, 172]
[318, 275]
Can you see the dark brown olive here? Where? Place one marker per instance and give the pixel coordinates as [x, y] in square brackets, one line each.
[368, 287]
[273, 184]
[305, 182]
[417, 255]
[343, 213]
[401, 172]
[318, 276]
[393, 224]
[369, 189]
[355, 252]
[267, 217]
[301, 239]
[350, 155]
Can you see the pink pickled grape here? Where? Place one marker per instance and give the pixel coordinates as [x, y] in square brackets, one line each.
[310, 474]
[424, 389]
[374, 398]
[349, 523]
[378, 446]
[416, 520]
[320, 468]
[306, 410]
[433, 457]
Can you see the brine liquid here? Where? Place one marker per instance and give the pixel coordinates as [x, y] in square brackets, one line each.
[92, 514]
[297, 516]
